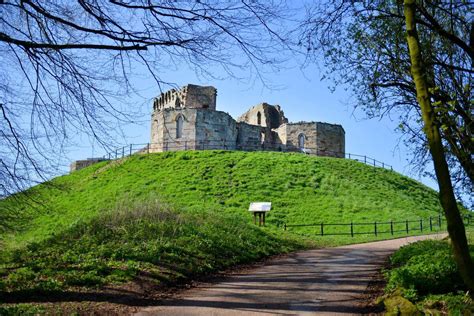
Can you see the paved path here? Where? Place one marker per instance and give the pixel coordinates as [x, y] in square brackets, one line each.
[322, 281]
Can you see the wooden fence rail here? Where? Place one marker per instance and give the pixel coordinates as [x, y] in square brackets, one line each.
[377, 228]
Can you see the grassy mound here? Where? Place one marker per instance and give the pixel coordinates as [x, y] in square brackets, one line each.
[303, 189]
[147, 240]
[426, 274]
[172, 216]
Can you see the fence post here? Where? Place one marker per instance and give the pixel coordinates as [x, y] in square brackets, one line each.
[407, 226]
[421, 224]
[148, 148]
[375, 228]
[349, 155]
[322, 229]
[116, 153]
[352, 229]
[131, 145]
[383, 165]
[374, 162]
[365, 159]
[123, 151]
[109, 156]
[431, 224]
[391, 227]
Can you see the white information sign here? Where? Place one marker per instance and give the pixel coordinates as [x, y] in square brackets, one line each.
[260, 207]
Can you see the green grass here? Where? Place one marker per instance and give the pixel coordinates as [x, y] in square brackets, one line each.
[177, 215]
[302, 189]
[150, 239]
[426, 274]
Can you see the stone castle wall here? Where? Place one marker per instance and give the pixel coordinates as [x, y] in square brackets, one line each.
[216, 130]
[189, 96]
[306, 130]
[201, 129]
[80, 164]
[330, 140]
[270, 116]
[263, 126]
[187, 119]
[249, 137]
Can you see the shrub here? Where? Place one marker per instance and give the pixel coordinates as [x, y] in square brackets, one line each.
[426, 273]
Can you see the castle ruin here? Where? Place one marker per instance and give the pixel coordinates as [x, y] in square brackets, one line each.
[187, 119]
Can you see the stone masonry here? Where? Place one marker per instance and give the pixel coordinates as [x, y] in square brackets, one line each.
[187, 119]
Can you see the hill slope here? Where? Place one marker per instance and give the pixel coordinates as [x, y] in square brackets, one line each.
[303, 189]
[164, 218]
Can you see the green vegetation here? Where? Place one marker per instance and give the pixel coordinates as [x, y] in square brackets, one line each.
[425, 273]
[173, 216]
[166, 245]
[303, 189]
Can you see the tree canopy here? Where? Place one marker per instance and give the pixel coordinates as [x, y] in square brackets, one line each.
[362, 46]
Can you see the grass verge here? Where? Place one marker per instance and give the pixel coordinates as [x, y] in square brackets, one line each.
[423, 278]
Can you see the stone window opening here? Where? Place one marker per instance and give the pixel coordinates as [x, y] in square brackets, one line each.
[259, 118]
[179, 126]
[205, 106]
[301, 138]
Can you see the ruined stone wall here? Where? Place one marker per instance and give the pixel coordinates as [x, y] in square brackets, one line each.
[200, 97]
[215, 130]
[189, 96]
[164, 130]
[330, 140]
[206, 128]
[80, 164]
[308, 130]
[202, 129]
[271, 116]
[249, 136]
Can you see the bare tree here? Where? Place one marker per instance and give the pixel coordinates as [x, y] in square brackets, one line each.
[65, 65]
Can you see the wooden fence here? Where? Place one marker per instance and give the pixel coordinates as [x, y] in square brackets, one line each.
[377, 228]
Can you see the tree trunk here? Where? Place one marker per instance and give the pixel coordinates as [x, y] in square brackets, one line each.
[456, 229]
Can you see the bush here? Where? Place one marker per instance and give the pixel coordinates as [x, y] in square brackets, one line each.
[428, 273]
[425, 273]
[405, 253]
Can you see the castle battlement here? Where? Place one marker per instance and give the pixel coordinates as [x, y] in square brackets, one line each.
[189, 96]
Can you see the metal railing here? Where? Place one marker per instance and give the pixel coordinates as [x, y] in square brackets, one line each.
[377, 228]
[131, 149]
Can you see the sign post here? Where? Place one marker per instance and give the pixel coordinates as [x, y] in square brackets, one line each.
[260, 209]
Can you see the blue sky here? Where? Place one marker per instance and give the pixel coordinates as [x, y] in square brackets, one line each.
[302, 96]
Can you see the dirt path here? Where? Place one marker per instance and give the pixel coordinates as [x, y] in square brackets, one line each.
[322, 281]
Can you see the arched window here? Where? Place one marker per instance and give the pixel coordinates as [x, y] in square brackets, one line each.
[179, 126]
[301, 140]
[259, 118]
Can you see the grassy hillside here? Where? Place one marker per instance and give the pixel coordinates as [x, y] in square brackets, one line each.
[164, 218]
[303, 189]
